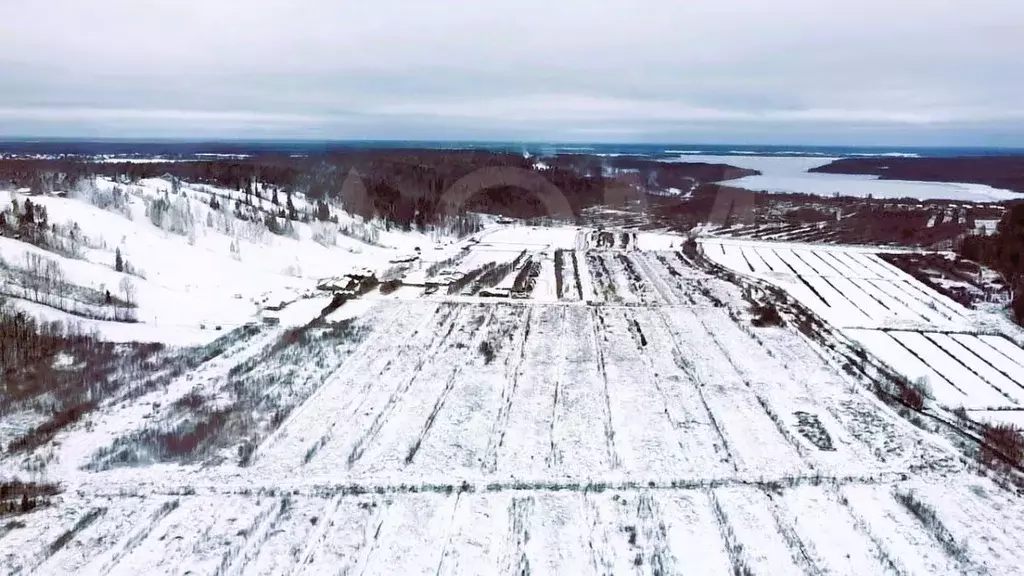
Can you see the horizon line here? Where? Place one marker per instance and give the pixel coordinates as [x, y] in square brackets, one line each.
[343, 141]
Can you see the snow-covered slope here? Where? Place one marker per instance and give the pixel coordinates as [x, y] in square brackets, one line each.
[197, 265]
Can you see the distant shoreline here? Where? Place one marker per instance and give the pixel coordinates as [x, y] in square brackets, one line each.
[188, 148]
[1006, 173]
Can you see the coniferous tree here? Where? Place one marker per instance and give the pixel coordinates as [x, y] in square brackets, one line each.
[323, 212]
[28, 217]
[118, 261]
[292, 213]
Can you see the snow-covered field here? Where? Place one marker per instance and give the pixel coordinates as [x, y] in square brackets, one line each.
[624, 416]
[852, 528]
[899, 320]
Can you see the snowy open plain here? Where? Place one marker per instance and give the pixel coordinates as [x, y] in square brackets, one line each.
[624, 416]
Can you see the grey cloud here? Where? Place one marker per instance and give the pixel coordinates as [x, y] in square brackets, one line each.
[922, 72]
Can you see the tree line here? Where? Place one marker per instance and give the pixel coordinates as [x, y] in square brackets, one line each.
[406, 187]
[1003, 252]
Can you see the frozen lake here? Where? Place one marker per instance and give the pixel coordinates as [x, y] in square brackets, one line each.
[789, 174]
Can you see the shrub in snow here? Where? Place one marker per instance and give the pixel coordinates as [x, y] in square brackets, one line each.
[767, 315]
[288, 230]
[364, 233]
[114, 200]
[1002, 439]
[128, 289]
[921, 385]
[174, 216]
[42, 280]
[912, 397]
[324, 233]
[928, 517]
[189, 439]
[487, 351]
[389, 286]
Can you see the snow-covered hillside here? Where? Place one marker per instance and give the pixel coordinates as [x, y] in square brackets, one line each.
[190, 260]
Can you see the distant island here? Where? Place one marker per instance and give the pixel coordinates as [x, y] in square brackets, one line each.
[1005, 172]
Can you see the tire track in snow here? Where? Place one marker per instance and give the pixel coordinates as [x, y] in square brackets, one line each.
[449, 384]
[316, 540]
[362, 395]
[500, 427]
[602, 556]
[698, 385]
[554, 457]
[235, 561]
[65, 537]
[652, 526]
[515, 560]
[438, 404]
[134, 538]
[361, 443]
[733, 547]
[641, 343]
[676, 275]
[448, 534]
[801, 555]
[655, 280]
[609, 428]
[314, 399]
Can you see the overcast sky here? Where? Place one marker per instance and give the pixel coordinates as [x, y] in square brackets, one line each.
[888, 72]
